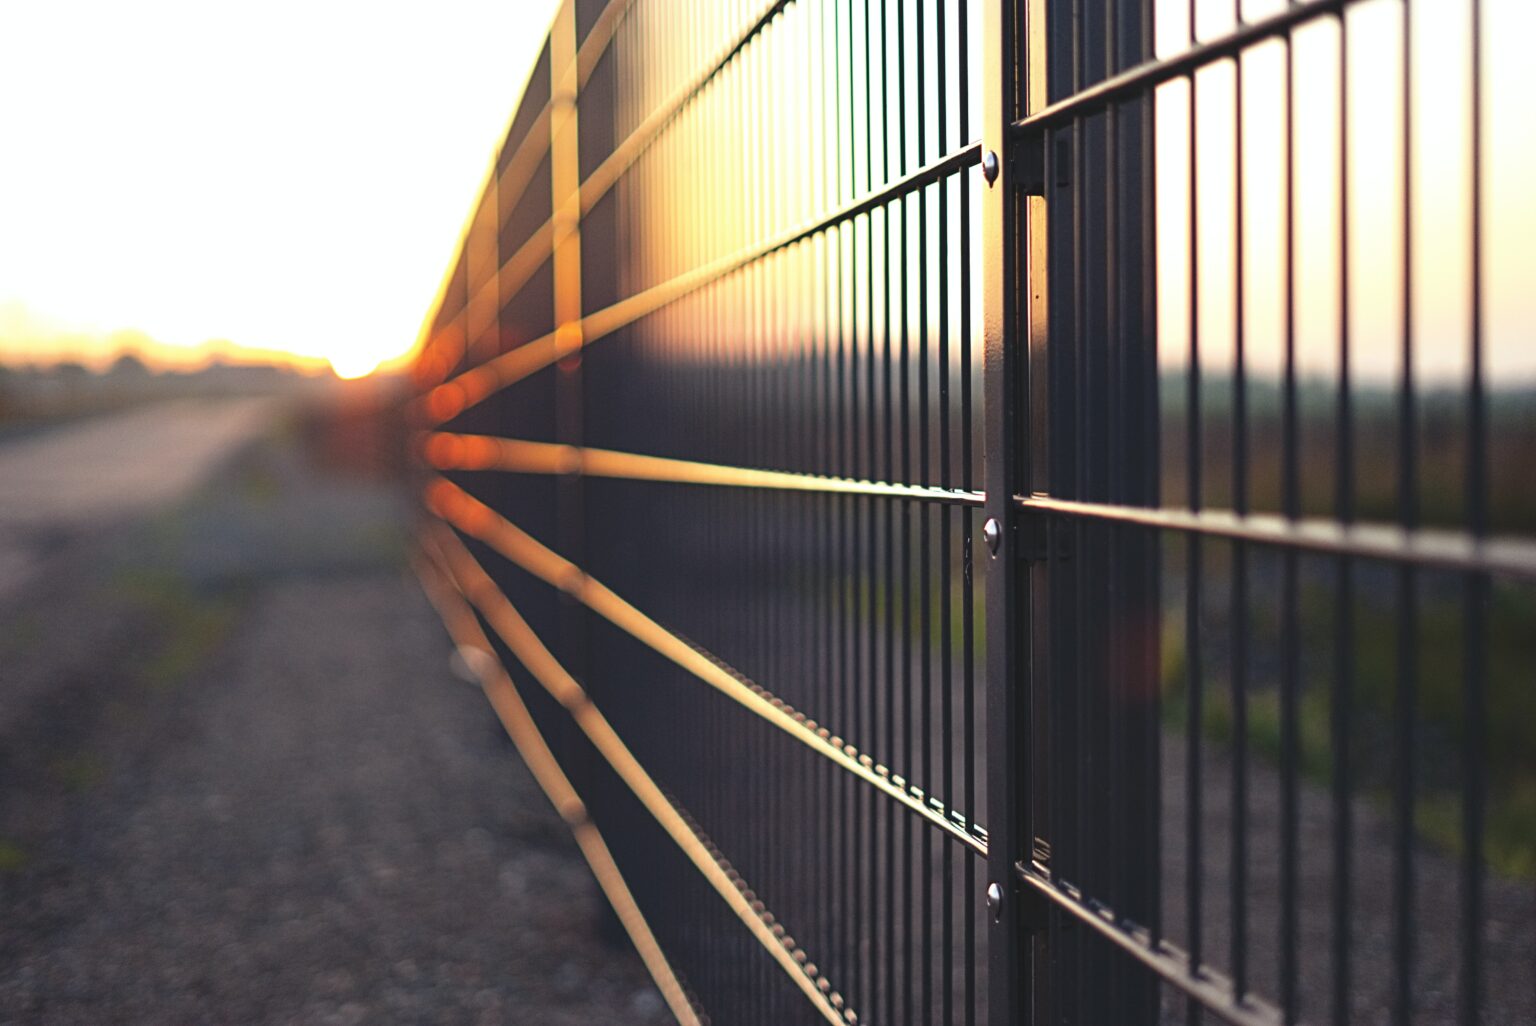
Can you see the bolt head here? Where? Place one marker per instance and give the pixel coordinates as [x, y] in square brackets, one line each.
[990, 166]
[992, 531]
[995, 900]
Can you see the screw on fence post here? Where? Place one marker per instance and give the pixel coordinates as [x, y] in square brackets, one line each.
[993, 533]
[995, 901]
[989, 167]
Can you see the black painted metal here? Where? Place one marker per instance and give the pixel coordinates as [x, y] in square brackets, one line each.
[1013, 957]
[880, 282]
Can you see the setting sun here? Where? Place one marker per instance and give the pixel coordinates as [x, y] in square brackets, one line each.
[289, 178]
[354, 364]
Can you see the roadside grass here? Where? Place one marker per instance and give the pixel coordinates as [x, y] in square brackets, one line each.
[79, 771]
[18, 632]
[13, 857]
[1508, 748]
[180, 632]
[187, 626]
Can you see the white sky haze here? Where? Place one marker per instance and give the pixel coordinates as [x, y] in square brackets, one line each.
[285, 175]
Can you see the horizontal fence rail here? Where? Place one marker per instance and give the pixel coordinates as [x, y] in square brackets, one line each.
[473, 518]
[1047, 535]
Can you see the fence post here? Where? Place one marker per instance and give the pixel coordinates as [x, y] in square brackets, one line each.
[1009, 967]
[1092, 590]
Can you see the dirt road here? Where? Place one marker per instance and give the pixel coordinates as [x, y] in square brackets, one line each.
[238, 783]
[101, 470]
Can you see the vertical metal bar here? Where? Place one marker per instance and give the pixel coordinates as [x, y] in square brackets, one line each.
[761, 629]
[904, 640]
[888, 442]
[1290, 640]
[807, 323]
[1475, 628]
[1040, 383]
[1112, 666]
[924, 527]
[878, 696]
[946, 564]
[970, 898]
[1078, 676]
[1151, 476]
[1238, 872]
[1402, 945]
[570, 413]
[1193, 777]
[861, 566]
[846, 580]
[1344, 583]
[773, 368]
[840, 509]
[1126, 393]
[1007, 705]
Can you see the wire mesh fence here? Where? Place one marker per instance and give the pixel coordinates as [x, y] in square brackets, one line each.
[850, 423]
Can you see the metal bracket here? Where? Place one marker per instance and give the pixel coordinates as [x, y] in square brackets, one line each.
[1035, 910]
[1026, 158]
[1034, 538]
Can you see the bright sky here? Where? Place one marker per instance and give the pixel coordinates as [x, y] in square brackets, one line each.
[1442, 232]
[284, 175]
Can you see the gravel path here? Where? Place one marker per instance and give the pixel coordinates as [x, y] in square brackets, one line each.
[1509, 905]
[78, 476]
[316, 824]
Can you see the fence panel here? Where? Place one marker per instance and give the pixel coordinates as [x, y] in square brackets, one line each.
[846, 421]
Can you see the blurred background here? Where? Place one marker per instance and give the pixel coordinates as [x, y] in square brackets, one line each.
[238, 780]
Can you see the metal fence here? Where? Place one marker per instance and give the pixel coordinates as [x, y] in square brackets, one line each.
[851, 423]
